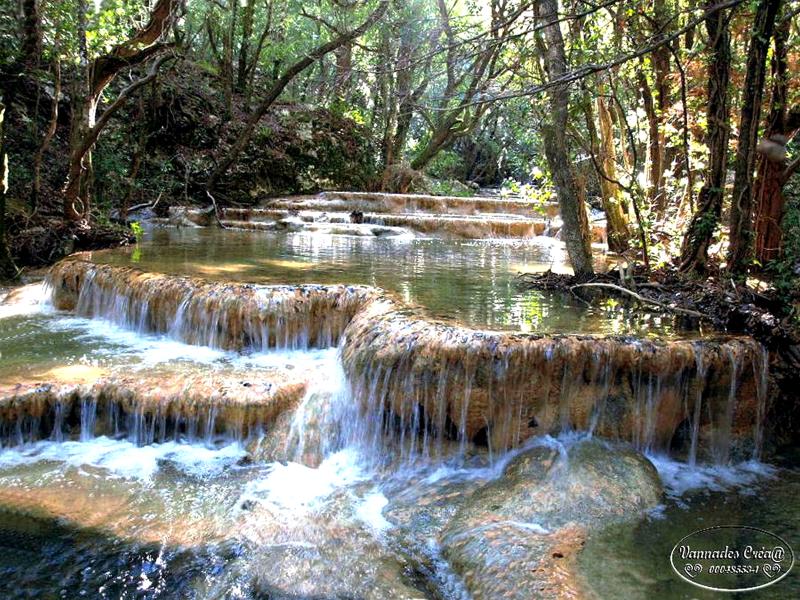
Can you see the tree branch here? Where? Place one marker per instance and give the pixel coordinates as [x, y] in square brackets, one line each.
[152, 73]
[278, 87]
[642, 299]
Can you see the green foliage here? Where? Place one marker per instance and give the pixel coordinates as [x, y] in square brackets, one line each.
[786, 269]
[448, 187]
[137, 230]
[446, 165]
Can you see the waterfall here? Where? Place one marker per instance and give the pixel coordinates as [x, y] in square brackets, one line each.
[433, 385]
[88, 418]
[221, 315]
[405, 387]
[761, 373]
[700, 379]
[135, 410]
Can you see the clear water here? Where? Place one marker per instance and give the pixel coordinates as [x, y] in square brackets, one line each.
[104, 518]
[633, 561]
[469, 281]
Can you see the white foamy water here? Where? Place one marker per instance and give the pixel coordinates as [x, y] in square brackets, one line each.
[370, 511]
[26, 300]
[122, 458]
[153, 349]
[298, 487]
[680, 478]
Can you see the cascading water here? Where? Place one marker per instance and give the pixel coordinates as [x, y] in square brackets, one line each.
[386, 439]
[228, 316]
[427, 385]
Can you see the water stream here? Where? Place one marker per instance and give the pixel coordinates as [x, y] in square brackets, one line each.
[170, 437]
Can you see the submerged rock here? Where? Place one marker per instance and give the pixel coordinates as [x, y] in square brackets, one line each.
[518, 536]
[325, 550]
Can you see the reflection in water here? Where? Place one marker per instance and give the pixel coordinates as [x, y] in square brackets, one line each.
[472, 281]
[103, 517]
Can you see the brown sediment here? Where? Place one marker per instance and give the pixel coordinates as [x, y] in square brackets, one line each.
[467, 205]
[459, 217]
[502, 388]
[461, 226]
[147, 407]
[442, 381]
[232, 316]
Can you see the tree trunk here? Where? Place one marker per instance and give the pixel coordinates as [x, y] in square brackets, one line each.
[770, 179]
[48, 136]
[242, 65]
[403, 93]
[227, 67]
[31, 49]
[275, 91]
[654, 158]
[100, 72]
[344, 71]
[7, 268]
[616, 226]
[575, 232]
[661, 69]
[694, 252]
[81, 118]
[741, 221]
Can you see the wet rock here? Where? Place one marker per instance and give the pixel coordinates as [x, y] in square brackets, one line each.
[303, 435]
[324, 551]
[500, 389]
[155, 406]
[291, 223]
[233, 316]
[184, 216]
[518, 536]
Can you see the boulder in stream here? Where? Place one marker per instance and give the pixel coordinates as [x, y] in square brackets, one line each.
[518, 536]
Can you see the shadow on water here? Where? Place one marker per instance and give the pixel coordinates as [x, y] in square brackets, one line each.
[43, 558]
[633, 562]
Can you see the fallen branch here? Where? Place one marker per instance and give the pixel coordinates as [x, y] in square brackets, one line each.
[216, 210]
[641, 299]
[150, 205]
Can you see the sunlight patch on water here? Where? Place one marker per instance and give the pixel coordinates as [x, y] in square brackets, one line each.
[124, 459]
[81, 373]
[158, 349]
[152, 349]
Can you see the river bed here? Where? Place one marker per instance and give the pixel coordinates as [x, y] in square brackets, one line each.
[93, 511]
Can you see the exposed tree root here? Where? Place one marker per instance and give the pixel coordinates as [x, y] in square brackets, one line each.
[642, 299]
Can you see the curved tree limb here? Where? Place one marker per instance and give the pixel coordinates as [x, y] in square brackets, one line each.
[277, 88]
[642, 299]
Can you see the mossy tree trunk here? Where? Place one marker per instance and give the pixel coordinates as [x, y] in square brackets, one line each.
[575, 232]
[86, 127]
[618, 233]
[741, 221]
[694, 252]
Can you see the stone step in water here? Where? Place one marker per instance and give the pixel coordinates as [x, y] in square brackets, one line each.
[489, 225]
[405, 203]
[338, 226]
[146, 408]
[461, 226]
[230, 316]
[430, 383]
